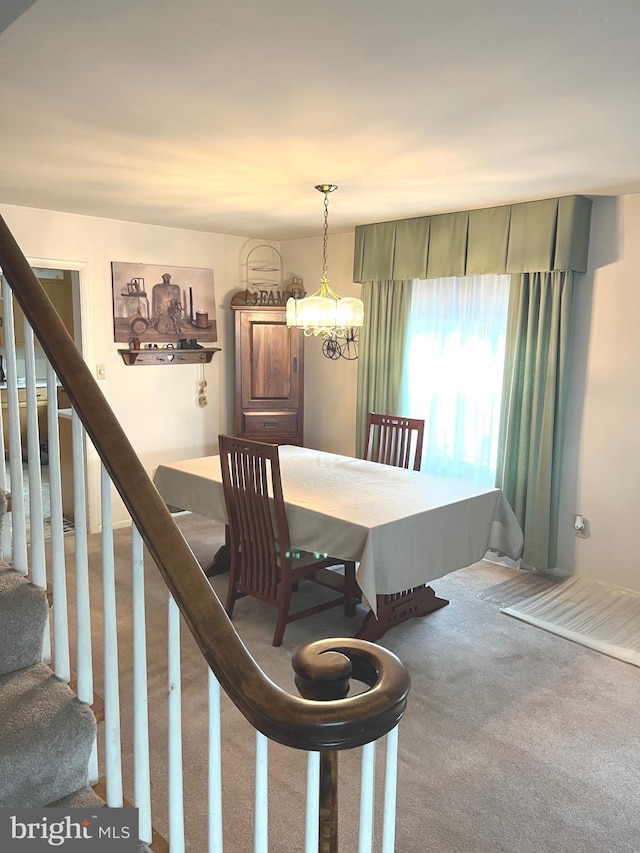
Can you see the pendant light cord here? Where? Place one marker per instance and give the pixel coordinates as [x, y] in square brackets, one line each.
[325, 240]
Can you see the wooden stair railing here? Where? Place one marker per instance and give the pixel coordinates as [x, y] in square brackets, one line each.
[328, 723]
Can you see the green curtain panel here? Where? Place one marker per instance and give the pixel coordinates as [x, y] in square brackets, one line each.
[537, 236]
[533, 408]
[381, 353]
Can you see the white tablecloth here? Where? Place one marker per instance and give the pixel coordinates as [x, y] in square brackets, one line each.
[404, 528]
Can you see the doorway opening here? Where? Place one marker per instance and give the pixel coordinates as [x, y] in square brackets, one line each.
[63, 288]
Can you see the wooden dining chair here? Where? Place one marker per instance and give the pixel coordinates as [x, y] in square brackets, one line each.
[263, 562]
[393, 440]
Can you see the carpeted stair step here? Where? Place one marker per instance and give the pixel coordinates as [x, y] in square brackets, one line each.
[86, 798]
[22, 622]
[46, 737]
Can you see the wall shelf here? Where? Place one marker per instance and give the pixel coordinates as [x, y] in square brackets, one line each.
[167, 356]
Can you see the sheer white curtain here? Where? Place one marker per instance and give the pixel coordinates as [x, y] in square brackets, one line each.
[455, 355]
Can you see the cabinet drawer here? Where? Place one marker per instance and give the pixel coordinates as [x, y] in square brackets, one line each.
[265, 423]
[41, 396]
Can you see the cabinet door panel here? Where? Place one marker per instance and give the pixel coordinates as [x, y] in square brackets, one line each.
[269, 376]
[270, 362]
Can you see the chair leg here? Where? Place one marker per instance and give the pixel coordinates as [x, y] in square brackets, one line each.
[232, 594]
[283, 612]
[350, 589]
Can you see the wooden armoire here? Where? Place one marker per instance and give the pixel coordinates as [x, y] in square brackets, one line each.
[269, 375]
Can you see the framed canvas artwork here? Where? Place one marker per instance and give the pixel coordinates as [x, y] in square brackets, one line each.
[162, 303]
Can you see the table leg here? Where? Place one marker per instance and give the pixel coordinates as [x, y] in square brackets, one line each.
[221, 562]
[397, 608]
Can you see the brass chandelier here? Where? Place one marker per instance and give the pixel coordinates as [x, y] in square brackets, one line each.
[324, 313]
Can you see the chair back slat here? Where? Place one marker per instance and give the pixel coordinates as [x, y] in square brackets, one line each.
[393, 440]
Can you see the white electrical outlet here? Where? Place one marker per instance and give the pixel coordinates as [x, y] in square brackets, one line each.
[101, 371]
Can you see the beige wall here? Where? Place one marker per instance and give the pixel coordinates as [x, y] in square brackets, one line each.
[158, 406]
[602, 463]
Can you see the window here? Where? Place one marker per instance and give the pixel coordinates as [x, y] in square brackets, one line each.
[455, 352]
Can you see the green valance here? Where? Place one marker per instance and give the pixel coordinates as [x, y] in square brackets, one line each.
[536, 236]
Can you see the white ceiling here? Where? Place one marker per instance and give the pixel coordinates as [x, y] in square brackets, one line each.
[222, 115]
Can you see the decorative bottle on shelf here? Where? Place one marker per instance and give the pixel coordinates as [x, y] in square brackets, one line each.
[166, 306]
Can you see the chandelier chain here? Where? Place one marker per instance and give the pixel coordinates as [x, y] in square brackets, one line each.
[325, 238]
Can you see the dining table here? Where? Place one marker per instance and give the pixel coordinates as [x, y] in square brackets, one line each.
[402, 528]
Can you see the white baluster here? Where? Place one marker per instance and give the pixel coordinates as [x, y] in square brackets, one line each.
[176, 789]
[142, 779]
[113, 763]
[5, 526]
[312, 823]
[367, 788]
[215, 767]
[84, 654]
[84, 665]
[390, 784]
[261, 832]
[18, 518]
[58, 570]
[36, 513]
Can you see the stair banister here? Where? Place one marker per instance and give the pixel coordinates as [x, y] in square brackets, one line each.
[294, 721]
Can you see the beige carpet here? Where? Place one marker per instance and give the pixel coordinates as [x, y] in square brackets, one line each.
[514, 740]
